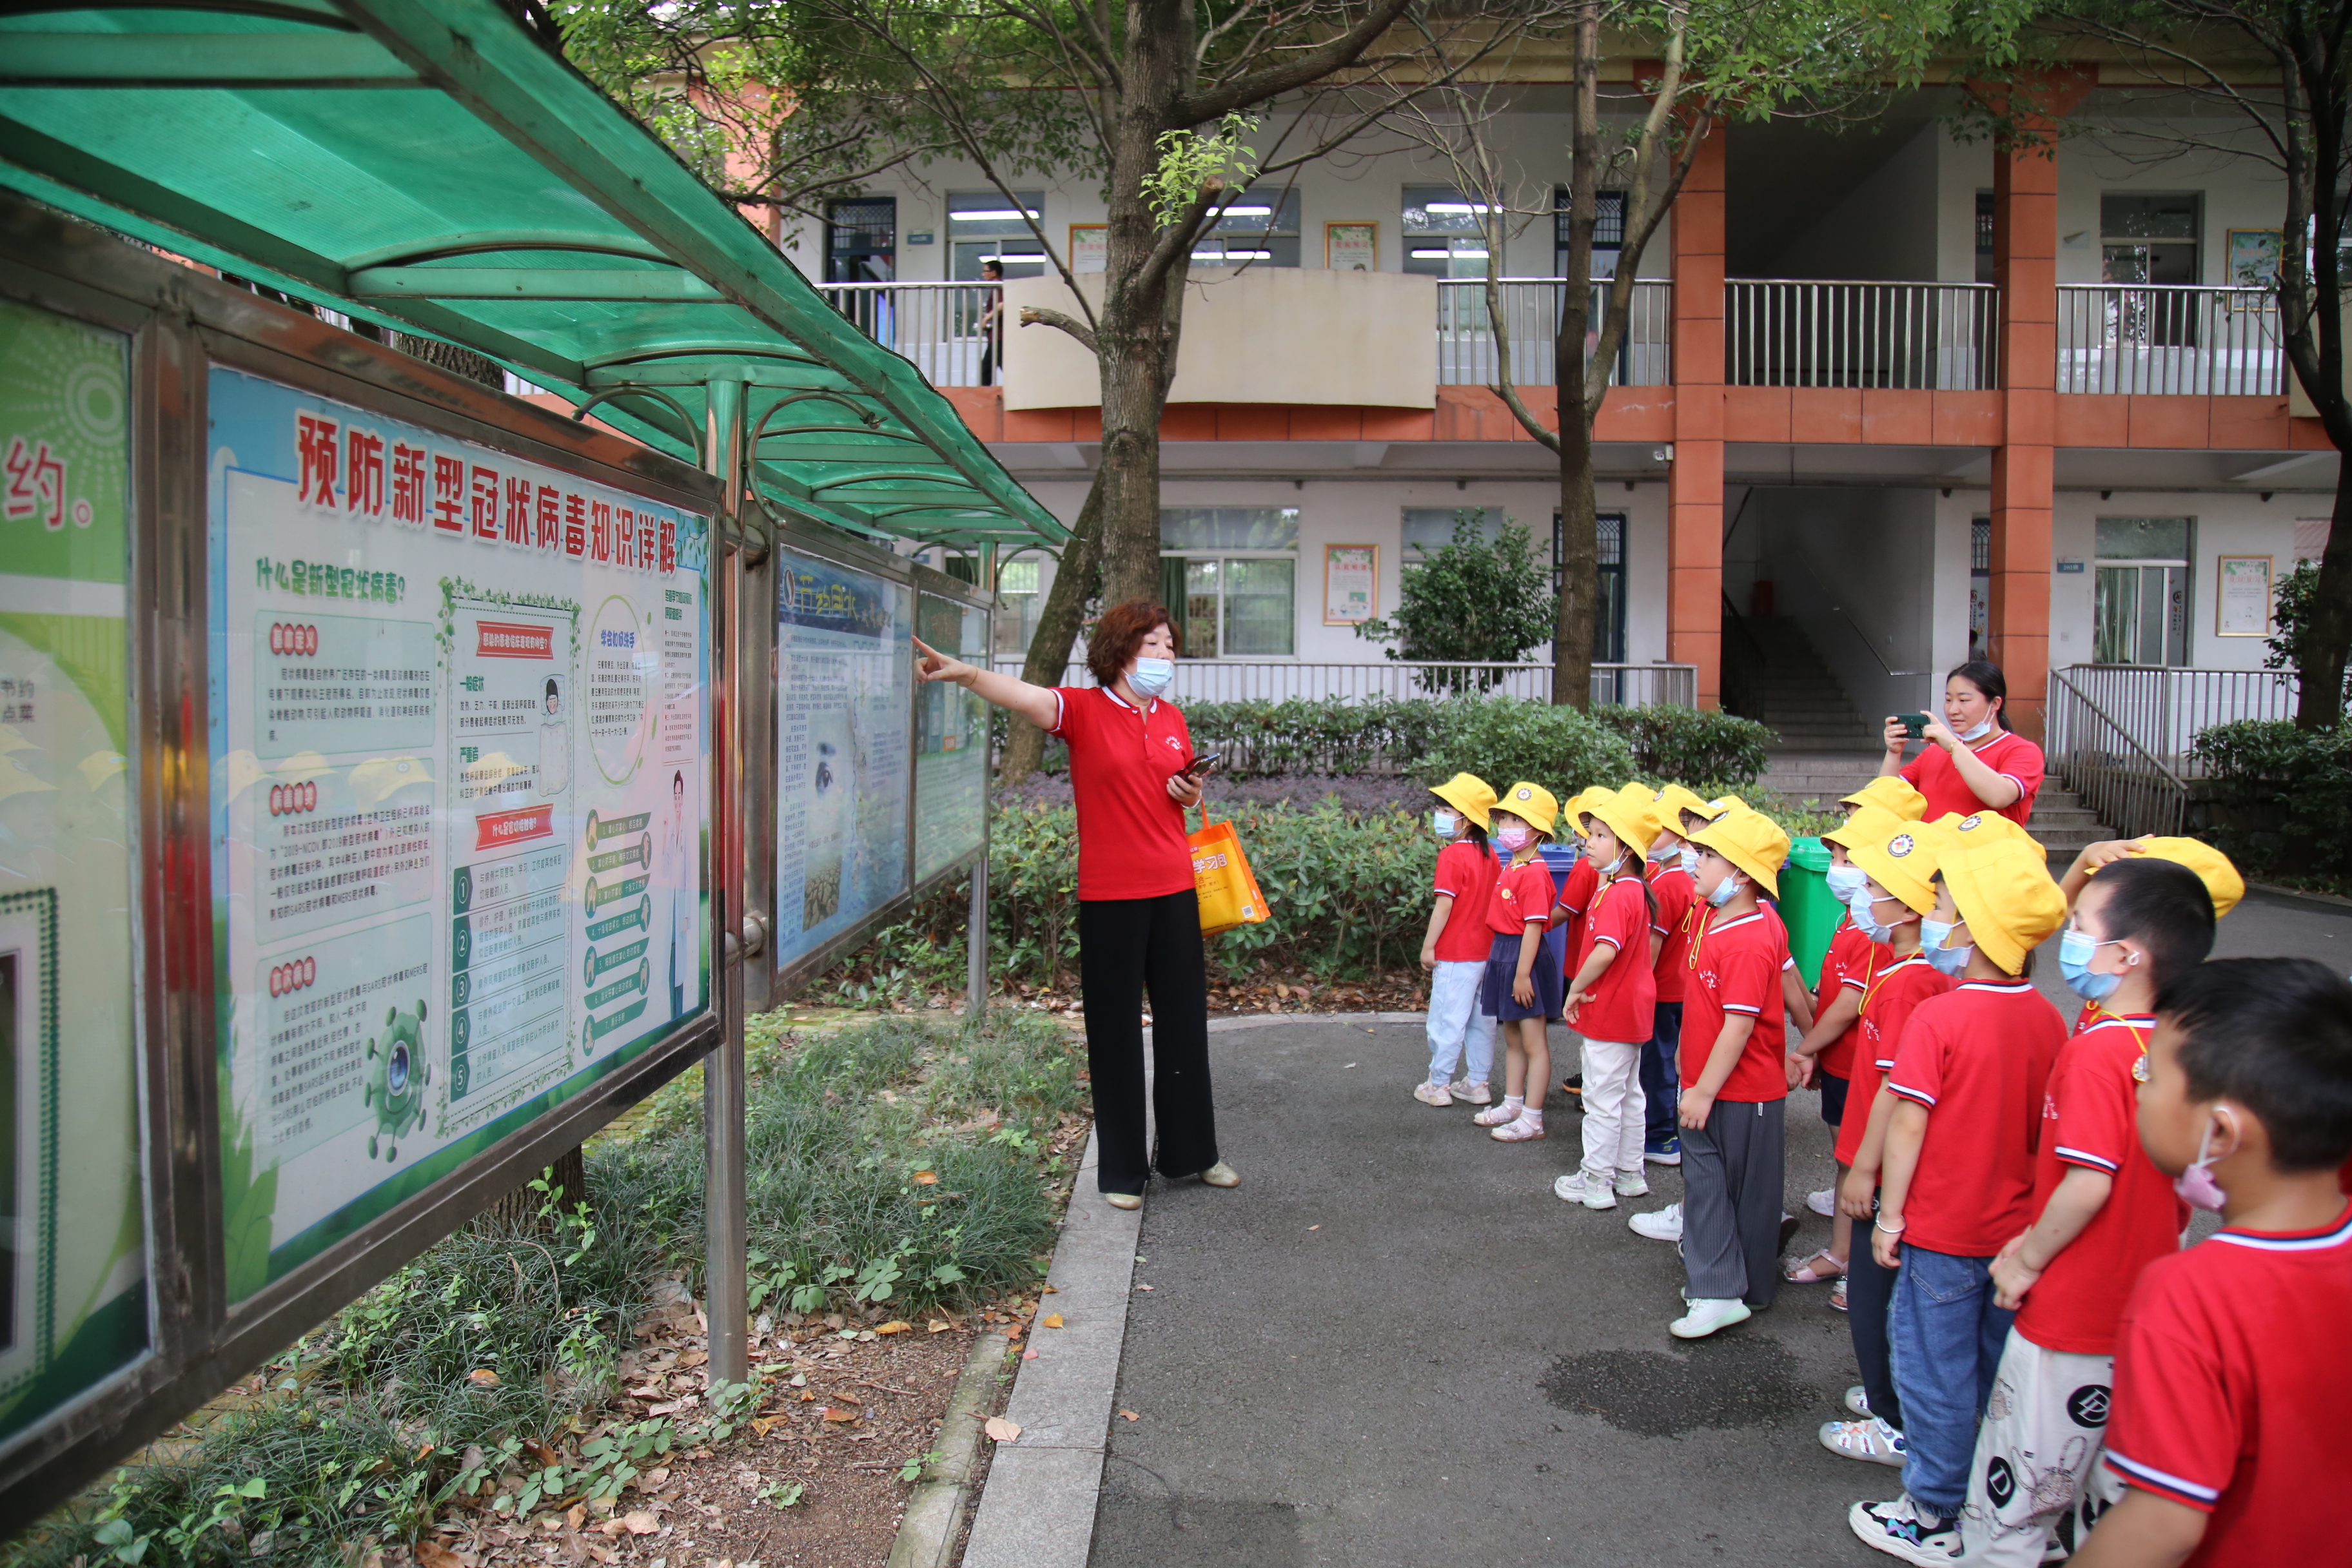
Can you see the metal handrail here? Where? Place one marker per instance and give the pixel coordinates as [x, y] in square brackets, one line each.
[2188, 339]
[2127, 785]
[2145, 755]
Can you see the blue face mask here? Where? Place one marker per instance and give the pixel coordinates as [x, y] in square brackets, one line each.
[1690, 859]
[1150, 677]
[1445, 824]
[1847, 882]
[2076, 950]
[1951, 961]
[1861, 907]
[1726, 890]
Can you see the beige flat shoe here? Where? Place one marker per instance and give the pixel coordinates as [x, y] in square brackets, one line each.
[1222, 1175]
[1124, 1200]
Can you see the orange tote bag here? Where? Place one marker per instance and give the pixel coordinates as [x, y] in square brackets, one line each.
[1222, 878]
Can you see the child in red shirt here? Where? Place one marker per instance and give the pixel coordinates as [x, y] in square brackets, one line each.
[1454, 950]
[1956, 1179]
[1612, 1001]
[2105, 1212]
[2232, 1381]
[1520, 993]
[1733, 1086]
[1678, 900]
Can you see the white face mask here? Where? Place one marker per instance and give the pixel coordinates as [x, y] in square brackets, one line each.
[1951, 961]
[1846, 882]
[1979, 732]
[1865, 911]
[1445, 824]
[1150, 677]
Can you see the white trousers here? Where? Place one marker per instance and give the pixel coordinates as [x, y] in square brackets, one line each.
[1613, 1112]
[1456, 1024]
[2037, 1472]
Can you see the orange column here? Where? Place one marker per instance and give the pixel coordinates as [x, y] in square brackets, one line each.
[2025, 265]
[1695, 478]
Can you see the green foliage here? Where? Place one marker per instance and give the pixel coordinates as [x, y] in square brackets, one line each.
[1196, 163]
[1690, 746]
[2292, 611]
[1502, 739]
[1470, 600]
[2282, 796]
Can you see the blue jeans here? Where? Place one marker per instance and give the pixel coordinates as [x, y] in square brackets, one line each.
[1661, 1093]
[1947, 1339]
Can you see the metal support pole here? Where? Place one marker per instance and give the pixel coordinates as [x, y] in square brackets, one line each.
[725, 1264]
[975, 997]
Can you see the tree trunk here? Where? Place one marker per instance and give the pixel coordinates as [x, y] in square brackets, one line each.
[1580, 541]
[1059, 621]
[519, 1210]
[2327, 645]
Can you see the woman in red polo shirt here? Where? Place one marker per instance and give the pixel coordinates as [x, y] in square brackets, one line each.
[1972, 761]
[1139, 921]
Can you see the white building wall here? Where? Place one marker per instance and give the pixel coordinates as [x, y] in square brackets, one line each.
[2224, 525]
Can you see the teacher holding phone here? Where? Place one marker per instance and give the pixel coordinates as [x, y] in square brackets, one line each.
[1134, 771]
[1973, 761]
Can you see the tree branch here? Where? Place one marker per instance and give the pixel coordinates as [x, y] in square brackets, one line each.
[1309, 66]
[1039, 316]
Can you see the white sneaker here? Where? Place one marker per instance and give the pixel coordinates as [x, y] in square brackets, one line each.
[1868, 1438]
[1857, 1399]
[1659, 1224]
[1708, 1315]
[1469, 1093]
[1899, 1530]
[1634, 1186]
[1824, 1202]
[1573, 1188]
[1432, 1094]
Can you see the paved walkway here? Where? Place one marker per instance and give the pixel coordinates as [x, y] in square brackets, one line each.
[1394, 1345]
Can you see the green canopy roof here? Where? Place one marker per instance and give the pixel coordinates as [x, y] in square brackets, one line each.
[436, 165]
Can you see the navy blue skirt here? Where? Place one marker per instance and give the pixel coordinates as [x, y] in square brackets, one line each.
[1495, 998]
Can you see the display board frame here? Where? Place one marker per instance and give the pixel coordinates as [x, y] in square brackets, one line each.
[784, 976]
[180, 323]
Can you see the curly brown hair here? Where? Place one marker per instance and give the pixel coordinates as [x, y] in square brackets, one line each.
[1121, 631]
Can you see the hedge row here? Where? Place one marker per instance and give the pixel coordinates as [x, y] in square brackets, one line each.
[2281, 797]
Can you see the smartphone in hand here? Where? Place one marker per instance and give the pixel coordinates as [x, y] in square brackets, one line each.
[1915, 725]
[1202, 766]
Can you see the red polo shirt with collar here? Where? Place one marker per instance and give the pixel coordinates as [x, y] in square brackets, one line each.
[1131, 842]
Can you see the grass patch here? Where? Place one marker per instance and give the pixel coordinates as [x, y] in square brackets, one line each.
[895, 1165]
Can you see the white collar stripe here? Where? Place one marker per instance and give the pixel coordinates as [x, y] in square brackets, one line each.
[2337, 1237]
[2172, 1482]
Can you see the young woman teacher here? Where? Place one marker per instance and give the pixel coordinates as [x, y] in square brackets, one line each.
[1972, 762]
[1139, 922]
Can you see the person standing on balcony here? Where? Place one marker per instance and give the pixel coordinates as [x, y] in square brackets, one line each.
[992, 320]
[1133, 770]
[1972, 762]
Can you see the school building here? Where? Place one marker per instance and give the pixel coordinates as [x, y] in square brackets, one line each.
[1891, 399]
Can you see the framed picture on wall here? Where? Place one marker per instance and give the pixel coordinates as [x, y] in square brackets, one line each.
[1351, 246]
[2241, 598]
[1089, 247]
[2254, 256]
[1351, 579]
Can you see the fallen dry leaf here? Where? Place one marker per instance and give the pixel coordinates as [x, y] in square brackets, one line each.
[1000, 1430]
[927, 1178]
[482, 1377]
[837, 1415]
[541, 1452]
[939, 1328]
[895, 1326]
[1315, 1227]
[1053, 1319]
[1029, 1354]
[1051, 1291]
[637, 1521]
[577, 1515]
[763, 1423]
[1130, 1415]
[433, 1554]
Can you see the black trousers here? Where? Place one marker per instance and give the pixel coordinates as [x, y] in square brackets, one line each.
[1126, 948]
[1869, 1292]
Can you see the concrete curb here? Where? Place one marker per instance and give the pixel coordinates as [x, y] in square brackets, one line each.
[2326, 903]
[927, 1534]
[1037, 1509]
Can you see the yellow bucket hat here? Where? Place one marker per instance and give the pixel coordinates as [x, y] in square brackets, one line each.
[1868, 825]
[1671, 800]
[1625, 812]
[2002, 889]
[2212, 868]
[1890, 793]
[1904, 863]
[1982, 827]
[1751, 841]
[1467, 794]
[1531, 804]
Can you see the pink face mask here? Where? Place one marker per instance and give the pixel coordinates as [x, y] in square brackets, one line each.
[2196, 1184]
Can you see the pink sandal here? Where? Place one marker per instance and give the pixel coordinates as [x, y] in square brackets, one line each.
[1809, 1271]
[1497, 1114]
[1525, 1130]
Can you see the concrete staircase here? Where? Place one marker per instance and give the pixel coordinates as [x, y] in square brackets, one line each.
[2060, 821]
[1793, 691]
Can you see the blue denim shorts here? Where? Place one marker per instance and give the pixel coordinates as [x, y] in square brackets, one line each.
[1495, 998]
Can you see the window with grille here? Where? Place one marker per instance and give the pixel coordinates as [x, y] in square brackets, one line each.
[982, 227]
[861, 240]
[1608, 232]
[1232, 574]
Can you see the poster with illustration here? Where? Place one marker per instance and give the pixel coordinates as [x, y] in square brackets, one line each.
[460, 746]
[950, 744]
[73, 1223]
[845, 675]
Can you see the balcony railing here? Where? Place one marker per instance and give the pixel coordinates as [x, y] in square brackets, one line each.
[936, 325]
[2164, 709]
[2171, 338]
[1936, 337]
[1283, 680]
[1467, 349]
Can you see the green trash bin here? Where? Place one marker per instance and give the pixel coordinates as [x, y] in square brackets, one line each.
[1808, 908]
